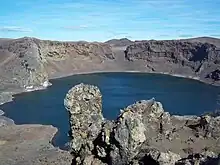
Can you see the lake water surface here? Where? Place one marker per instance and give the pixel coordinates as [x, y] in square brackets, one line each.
[178, 96]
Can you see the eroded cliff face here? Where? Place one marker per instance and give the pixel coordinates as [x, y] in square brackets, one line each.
[142, 134]
[195, 59]
[61, 50]
[66, 58]
[21, 65]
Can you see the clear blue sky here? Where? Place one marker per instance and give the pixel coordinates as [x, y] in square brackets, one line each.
[100, 20]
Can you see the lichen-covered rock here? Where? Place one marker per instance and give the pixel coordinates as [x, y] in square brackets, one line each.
[129, 133]
[168, 158]
[142, 134]
[133, 125]
[91, 160]
[83, 103]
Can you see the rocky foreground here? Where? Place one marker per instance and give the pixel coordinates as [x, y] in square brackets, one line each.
[29, 63]
[143, 133]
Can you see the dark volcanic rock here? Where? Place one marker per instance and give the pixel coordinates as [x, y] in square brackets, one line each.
[215, 75]
[178, 56]
[142, 134]
[207, 158]
[176, 50]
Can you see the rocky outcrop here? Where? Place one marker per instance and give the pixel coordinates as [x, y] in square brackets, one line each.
[143, 133]
[84, 100]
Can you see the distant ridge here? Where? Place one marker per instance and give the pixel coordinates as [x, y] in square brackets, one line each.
[119, 42]
[211, 40]
[126, 41]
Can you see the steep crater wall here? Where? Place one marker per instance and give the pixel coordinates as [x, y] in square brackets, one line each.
[28, 63]
[177, 57]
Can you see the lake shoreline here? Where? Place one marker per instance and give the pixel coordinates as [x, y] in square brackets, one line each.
[205, 81]
[9, 95]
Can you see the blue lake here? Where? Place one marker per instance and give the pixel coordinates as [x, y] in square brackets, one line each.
[178, 96]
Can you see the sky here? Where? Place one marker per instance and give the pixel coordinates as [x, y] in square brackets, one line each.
[101, 20]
